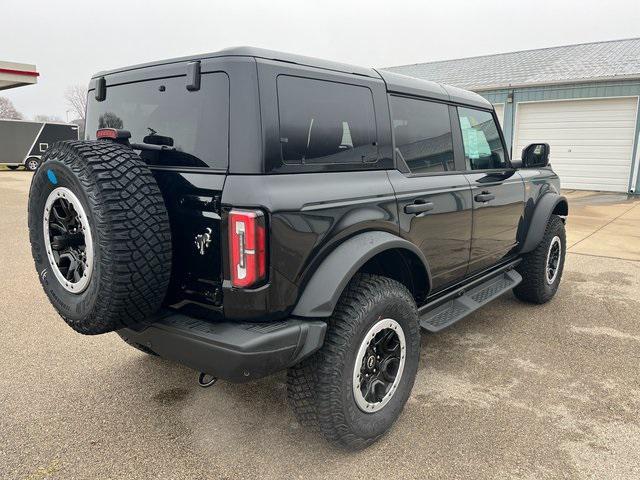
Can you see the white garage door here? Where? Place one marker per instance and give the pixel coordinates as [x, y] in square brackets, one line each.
[499, 107]
[591, 140]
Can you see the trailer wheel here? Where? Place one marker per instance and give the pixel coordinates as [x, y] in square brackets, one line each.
[32, 164]
[100, 235]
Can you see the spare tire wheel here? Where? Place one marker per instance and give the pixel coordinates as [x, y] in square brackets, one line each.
[100, 235]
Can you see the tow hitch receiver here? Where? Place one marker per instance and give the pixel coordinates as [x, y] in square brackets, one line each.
[205, 380]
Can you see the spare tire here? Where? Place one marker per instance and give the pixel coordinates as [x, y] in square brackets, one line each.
[100, 235]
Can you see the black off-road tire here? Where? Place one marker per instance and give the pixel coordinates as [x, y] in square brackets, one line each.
[301, 392]
[320, 388]
[534, 287]
[130, 230]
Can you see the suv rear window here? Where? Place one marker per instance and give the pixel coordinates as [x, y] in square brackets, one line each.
[164, 112]
[325, 122]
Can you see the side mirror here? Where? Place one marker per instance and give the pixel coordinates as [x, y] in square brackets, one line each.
[536, 155]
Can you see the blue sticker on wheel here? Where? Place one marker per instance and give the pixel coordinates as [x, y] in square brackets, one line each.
[52, 177]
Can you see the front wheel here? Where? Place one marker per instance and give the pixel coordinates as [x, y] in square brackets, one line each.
[355, 387]
[541, 269]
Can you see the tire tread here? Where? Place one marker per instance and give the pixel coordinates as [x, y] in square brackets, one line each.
[132, 232]
[313, 391]
[533, 288]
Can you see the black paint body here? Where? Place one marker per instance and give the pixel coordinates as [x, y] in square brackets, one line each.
[310, 214]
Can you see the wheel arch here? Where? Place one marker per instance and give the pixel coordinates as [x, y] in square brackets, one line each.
[371, 252]
[549, 204]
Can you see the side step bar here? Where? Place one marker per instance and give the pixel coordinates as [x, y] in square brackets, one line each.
[441, 315]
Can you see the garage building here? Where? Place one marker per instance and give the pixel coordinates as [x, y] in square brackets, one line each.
[581, 99]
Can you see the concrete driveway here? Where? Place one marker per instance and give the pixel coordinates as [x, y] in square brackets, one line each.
[603, 224]
[515, 391]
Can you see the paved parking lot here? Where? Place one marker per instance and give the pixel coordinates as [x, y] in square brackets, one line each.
[515, 391]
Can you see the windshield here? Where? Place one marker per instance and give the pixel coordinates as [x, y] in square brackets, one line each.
[164, 112]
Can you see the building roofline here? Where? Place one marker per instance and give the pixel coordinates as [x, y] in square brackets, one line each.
[11, 71]
[511, 53]
[68, 124]
[568, 82]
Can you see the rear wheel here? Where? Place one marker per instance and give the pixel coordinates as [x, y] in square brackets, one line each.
[541, 269]
[12, 167]
[355, 387]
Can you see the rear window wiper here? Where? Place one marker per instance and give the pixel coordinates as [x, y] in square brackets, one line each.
[151, 147]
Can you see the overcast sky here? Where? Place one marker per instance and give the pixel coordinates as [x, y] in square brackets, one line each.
[70, 40]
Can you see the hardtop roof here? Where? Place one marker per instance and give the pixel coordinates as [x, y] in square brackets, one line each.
[256, 53]
[395, 82]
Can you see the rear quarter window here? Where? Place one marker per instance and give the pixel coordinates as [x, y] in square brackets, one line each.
[423, 137]
[326, 123]
[163, 111]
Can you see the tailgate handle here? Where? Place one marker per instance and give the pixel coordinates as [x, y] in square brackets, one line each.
[420, 206]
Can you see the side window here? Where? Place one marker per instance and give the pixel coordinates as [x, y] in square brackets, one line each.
[325, 122]
[483, 148]
[422, 131]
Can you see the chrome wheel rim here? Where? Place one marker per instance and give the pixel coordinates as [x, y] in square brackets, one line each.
[554, 255]
[67, 239]
[379, 365]
[32, 164]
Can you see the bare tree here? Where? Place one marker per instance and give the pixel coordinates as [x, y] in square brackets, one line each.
[47, 118]
[76, 97]
[7, 110]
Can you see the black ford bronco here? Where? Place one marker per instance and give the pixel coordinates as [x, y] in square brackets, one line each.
[249, 211]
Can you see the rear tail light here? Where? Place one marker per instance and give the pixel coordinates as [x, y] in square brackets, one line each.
[247, 247]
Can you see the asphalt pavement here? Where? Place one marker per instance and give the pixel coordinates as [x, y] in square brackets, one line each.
[515, 391]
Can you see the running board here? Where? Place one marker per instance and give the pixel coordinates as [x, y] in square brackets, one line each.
[449, 312]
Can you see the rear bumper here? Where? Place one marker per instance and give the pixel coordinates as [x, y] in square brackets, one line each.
[238, 352]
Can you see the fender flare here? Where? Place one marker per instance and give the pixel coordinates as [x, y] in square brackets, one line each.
[543, 210]
[323, 290]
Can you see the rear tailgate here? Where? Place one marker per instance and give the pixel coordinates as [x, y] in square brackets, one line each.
[193, 201]
[189, 129]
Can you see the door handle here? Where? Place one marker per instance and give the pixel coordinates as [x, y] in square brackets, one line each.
[418, 207]
[484, 197]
